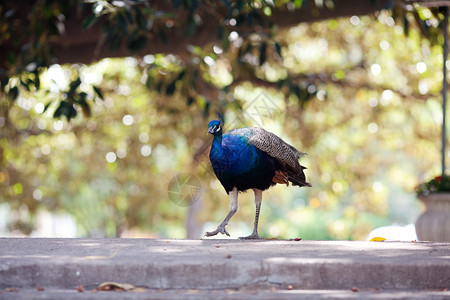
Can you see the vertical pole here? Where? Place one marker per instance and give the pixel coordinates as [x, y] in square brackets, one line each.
[444, 86]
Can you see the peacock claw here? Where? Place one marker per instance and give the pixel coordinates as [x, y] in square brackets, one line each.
[220, 229]
[253, 236]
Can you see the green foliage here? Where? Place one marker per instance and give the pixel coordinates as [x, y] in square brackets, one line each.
[438, 184]
[135, 24]
[103, 141]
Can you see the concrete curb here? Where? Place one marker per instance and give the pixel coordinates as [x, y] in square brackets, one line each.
[224, 264]
[259, 294]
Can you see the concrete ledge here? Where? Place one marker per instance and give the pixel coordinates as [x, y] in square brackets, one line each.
[257, 294]
[224, 264]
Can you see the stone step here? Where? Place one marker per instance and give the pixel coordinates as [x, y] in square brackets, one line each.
[213, 264]
[246, 293]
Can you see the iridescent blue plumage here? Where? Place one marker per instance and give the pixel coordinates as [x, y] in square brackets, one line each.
[238, 163]
[251, 158]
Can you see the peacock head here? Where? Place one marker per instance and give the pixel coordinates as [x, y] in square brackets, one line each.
[215, 126]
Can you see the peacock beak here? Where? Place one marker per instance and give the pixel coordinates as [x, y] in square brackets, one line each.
[210, 130]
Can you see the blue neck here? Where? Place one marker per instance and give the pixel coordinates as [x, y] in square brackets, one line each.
[216, 148]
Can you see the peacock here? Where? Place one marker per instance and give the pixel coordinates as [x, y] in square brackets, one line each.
[251, 158]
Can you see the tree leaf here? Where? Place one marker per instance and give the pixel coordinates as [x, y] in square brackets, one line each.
[14, 92]
[193, 6]
[11, 58]
[85, 108]
[115, 286]
[176, 4]
[47, 106]
[277, 48]
[141, 20]
[25, 84]
[37, 81]
[74, 85]
[171, 88]
[206, 109]
[181, 75]
[65, 109]
[4, 82]
[137, 43]
[240, 4]
[89, 21]
[227, 4]
[98, 91]
[191, 28]
[262, 53]
[122, 23]
[406, 25]
[298, 3]
[220, 32]
[162, 36]
[129, 17]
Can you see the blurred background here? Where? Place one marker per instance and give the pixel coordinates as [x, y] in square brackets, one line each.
[105, 104]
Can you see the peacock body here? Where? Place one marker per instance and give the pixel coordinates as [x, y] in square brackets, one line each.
[251, 158]
[237, 163]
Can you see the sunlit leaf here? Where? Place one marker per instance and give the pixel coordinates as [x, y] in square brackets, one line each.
[25, 84]
[115, 286]
[298, 3]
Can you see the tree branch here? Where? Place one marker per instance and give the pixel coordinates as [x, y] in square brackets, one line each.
[327, 78]
[78, 46]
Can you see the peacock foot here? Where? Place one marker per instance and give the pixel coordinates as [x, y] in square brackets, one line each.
[220, 229]
[253, 236]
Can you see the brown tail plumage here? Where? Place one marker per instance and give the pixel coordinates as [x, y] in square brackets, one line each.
[299, 179]
[283, 177]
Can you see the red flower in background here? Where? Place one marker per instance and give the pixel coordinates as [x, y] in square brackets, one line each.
[438, 184]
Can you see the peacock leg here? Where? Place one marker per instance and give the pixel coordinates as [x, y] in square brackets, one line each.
[233, 208]
[258, 200]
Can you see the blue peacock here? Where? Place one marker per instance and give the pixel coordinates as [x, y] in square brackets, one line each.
[251, 158]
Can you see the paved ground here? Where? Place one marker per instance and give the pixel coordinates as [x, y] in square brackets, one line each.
[222, 269]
